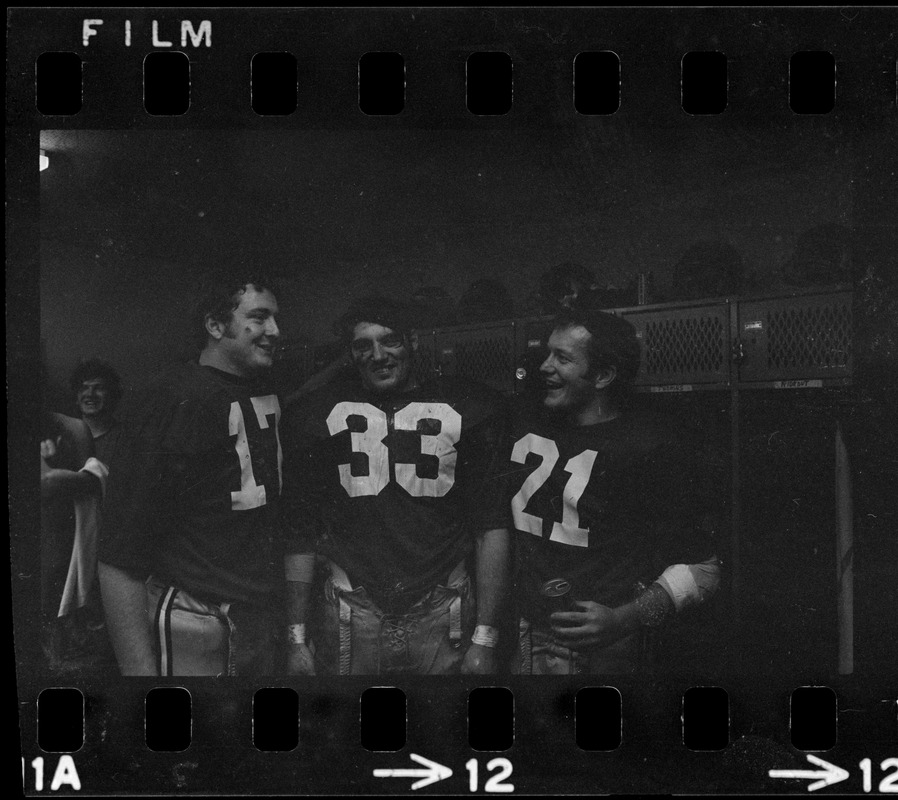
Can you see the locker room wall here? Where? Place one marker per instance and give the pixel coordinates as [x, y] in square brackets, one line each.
[126, 215]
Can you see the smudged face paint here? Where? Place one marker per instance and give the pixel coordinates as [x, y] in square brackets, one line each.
[382, 356]
[250, 337]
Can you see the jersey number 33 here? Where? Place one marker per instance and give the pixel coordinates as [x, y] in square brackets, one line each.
[370, 443]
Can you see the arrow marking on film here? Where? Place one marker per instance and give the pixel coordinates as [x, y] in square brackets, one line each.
[830, 773]
[434, 772]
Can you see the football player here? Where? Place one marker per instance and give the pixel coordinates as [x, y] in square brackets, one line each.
[389, 481]
[186, 567]
[611, 515]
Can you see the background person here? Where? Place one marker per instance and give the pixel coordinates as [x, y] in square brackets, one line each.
[98, 390]
[72, 482]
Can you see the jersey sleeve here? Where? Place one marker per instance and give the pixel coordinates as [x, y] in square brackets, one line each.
[303, 492]
[488, 506]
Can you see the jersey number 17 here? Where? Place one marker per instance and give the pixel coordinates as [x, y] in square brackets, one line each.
[252, 494]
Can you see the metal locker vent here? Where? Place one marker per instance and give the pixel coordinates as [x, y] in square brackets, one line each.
[484, 359]
[424, 363]
[685, 347]
[813, 336]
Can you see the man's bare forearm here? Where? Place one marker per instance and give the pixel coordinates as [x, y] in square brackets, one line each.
[125, 604]
[68, 483]
[298, 595]
[493, 556]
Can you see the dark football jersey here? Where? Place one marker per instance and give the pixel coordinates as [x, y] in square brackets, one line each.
[394, 488]
[193, 499]
[605, 508]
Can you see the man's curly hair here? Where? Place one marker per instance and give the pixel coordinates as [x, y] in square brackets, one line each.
[97, 368]
[380, 310]
[219, 295]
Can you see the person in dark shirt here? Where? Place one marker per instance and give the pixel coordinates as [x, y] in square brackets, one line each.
[389, 482]
[72, 483]
[98, 389]
[611, 514]
[188, 547]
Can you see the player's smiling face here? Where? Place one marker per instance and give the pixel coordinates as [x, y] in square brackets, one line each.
[383, 358]
[249, 339]
[92, 397]
[566, 374]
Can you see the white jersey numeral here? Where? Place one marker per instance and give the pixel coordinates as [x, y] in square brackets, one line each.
[441, 445]
[548, 452]
[251, 494]
[568, 531]
[370, 443]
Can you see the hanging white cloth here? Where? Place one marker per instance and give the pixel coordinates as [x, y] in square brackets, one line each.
[83, 563]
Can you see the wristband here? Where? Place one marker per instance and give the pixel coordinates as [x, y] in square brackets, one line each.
[486, 636]
[296, 634]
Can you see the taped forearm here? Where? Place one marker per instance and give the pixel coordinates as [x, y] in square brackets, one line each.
[299, 571]
[689, 585]
[678, 588]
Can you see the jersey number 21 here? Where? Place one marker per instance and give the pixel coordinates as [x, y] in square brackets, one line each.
[568, 531]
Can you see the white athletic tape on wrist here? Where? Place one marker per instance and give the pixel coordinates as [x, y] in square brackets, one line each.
[296, 634]
[690, 584]
[486, 636]
[299, 567]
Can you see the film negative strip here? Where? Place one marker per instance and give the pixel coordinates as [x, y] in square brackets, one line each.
[598, 495]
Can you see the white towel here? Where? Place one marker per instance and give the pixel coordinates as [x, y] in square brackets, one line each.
[83, 564]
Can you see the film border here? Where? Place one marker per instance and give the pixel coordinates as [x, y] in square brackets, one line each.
[653, 38]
